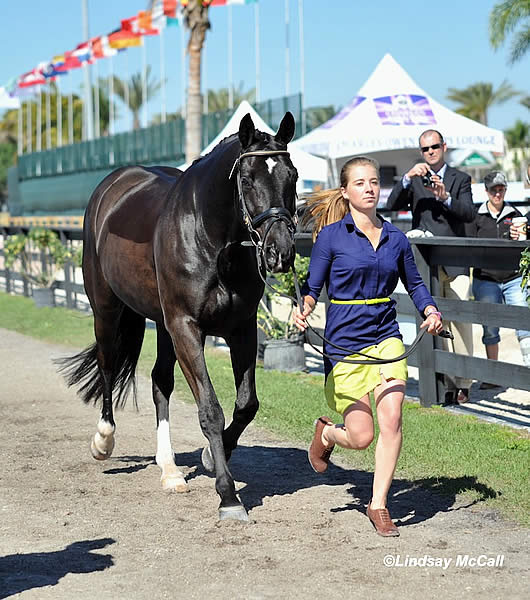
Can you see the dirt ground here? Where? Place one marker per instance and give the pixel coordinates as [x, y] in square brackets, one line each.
[72, 527]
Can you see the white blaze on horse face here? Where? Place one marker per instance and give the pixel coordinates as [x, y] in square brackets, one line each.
[271, 164]
[172, 478]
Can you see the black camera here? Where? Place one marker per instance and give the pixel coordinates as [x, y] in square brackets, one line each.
[427, 181]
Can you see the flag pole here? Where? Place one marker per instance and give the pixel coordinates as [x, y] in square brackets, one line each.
[205, 95]
[89, 114]
[183, 72]
[287, 53]
[97, 126]
[70, 118]
[59, 141]
[48, 118]
[38, 141]
[302, 62]
[111, 94]
[20, 131]
[256, 38]
[144, 84]
[126, 91]
[230, 65]
[163, 74]
[29, 144]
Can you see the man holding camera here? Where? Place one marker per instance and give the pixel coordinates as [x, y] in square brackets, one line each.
[440, 199]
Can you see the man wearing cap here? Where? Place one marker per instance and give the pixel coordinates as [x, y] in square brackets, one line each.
[441, 202]
[494, 220]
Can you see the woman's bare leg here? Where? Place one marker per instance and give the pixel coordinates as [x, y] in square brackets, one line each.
[357, 432]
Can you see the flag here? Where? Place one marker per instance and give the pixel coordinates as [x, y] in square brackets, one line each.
[144, 19]
[101, 47]
[70, 62]
[34, 77]
[83, 52]
[123, 38]
[49, 70]
[7, 101]
[169, 8]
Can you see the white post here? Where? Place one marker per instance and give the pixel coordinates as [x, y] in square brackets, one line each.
[97, 125]
[183, 71]
[204, 96]
[126, 91]
[29, 130]
[111, 94]
[89, 116]
[144, 86]
[302, 62]
[256, 39]
[70, 119]
[38, 141]
[59, 117]
[287, 54]
[48, 118]
[20, 131]
[163, 74]
[230, 65]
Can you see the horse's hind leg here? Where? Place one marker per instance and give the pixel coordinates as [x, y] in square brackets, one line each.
[102, 443]
[162, 382]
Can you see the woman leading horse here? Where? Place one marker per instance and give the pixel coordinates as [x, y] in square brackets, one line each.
[184, 249]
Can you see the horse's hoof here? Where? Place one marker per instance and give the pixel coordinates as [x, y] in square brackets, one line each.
[236, 513]
[207, 460]
[98, 454]
[175, 484]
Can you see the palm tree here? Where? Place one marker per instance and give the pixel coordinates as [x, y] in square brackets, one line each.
[317, 115]
[218, 99]
[505, 17]
[196, 20]
[131, 93]
[475, 100]
[518, 140]
[526, 102]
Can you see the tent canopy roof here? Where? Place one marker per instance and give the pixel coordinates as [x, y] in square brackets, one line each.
[309, 167]
[389, 112]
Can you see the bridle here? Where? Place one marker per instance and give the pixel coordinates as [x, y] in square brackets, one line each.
[274, 213]
[279, 213]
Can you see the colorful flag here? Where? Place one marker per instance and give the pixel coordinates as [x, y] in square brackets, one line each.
[83, 52]
[122, 38]
[101, 47]
[7, 101]
[170, 8]
[34, 77]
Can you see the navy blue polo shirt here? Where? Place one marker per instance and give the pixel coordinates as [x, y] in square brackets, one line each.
[344, 259]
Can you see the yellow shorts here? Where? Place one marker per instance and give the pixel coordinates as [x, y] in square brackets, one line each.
[347, 383]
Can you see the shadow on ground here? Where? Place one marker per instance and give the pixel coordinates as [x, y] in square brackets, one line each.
[271, 471]
[22, 572]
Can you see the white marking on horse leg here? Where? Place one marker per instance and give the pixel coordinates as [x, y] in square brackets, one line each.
[102, 443]
[172, 478]
[271, 163]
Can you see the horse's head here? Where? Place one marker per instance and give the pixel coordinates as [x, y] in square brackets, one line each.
[267, 190]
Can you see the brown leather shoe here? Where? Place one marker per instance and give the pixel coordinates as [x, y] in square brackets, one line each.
[319, 454]
[380, 519]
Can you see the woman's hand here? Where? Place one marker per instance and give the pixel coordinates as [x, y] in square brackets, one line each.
[300, 318]
[433, 321]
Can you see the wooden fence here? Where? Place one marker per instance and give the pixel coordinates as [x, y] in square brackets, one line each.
[430, 358]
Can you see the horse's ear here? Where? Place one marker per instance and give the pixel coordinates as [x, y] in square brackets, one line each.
[286, 129]
[246, 131]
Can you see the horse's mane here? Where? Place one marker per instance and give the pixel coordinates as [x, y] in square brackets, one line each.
[259, 136]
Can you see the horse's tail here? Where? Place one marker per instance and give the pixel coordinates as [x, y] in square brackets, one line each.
[82, 369]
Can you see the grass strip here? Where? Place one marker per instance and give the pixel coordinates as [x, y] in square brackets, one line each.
[451, 454]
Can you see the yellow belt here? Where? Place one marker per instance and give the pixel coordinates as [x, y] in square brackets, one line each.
[367, 301]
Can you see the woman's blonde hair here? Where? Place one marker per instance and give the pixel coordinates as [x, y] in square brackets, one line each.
[329, 206]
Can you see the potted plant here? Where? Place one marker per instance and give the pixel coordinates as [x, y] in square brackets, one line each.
[284, 344]
[40, 254]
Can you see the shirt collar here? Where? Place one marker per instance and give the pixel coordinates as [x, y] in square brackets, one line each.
[442, 171]
[352, 227]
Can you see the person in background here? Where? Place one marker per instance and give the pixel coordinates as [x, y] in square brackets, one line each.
[441, 202]
[494, 220]
[360, 258]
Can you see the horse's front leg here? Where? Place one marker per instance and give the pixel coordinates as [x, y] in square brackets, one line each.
[188, 341]
[243, 347]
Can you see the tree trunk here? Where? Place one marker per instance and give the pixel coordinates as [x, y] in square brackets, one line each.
[196, 18]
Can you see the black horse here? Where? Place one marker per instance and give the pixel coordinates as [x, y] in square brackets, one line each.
[183, 249]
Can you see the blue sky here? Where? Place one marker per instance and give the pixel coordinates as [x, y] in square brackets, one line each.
[441, 45]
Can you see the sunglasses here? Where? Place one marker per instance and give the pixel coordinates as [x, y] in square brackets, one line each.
[427, 148]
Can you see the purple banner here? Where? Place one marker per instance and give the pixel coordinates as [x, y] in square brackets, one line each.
[404, 109]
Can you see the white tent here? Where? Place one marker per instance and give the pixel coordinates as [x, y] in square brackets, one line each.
[389, 112]
[311, 169]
